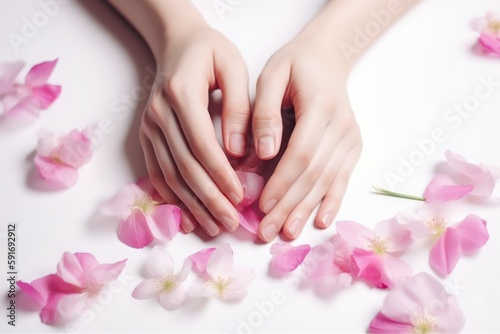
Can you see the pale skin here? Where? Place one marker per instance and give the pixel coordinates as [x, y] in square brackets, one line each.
[187, 165]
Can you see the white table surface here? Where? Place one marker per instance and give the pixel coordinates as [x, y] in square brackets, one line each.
[400, 91]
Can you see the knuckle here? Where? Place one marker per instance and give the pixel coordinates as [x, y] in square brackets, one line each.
[155, 175]
[199, 147]
[174, 86]
[311, 176]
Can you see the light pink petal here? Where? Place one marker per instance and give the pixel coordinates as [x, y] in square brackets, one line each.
[120, 205]
[167, 220]
[145, 184]
[21, 106]
[71, 306]
[87, 261]
[75, 149]
[319, 262]
[8, 73]
[446, 252]
[160, 264]
[458, 163]
[40, 73]
[134, 231]
[147, 289]
[252, 186]
[280, 247]
[492, 17]
[33, 293]
[199, 288]
[220, 262]
[414, 223]
[399, 238]
[70, 270]
[241, 278]
[56, 173]
[250, 219]
[397, 270]
[185, 270]
[289, 260]
[174, 298]
[443, 189]
[479, 24]
[472, 233]
[354, 233]
[46, 95]
[200, 260]
[383, 325]
[108, 272]
[50, 313]
[233, 295]
[450, 318]
[48, 144]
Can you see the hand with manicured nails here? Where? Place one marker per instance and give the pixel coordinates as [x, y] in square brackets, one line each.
[324, 145]
[184, 160]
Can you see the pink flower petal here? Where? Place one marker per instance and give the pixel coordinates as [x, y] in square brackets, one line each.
[21, 106]
[490, 42]
[174, 298]
[200, 260]
[443, 189]
[383, 325]
[241, 277]
[355, 233]
[46, 95]
[185, 270]
[399, 238]
[446, 252]
[71, 306]
[220, 262]
[40, 73]
[56, 173]
[288, 260]
[87, 261]
[71, 271]
[414, 223]
[160, 263]
[472, 233]
[147, 289]
[134, 231]
[250, 219]
[252, 185]
[233, 295]
[120, 205]
[108, 272]
[75, 149]
[8, 73]
[167, 221]
[327, 259]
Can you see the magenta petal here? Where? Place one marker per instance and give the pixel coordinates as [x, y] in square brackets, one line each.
[382, 324]
[31, 292]
[446, 252]
[8, 73]
[46, 95]
[250, 219]
[200, 260]
[70, 270]
[167, 220]
[288, 260]
[252, 185]
[87, 261]
[134, 231]
[40, 73]
[490, 42]
[472, 233]
[56, 173]
[442, 189]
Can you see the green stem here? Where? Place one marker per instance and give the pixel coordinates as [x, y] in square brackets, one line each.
[395, 194]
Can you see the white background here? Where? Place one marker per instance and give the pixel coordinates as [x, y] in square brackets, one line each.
[400, 91]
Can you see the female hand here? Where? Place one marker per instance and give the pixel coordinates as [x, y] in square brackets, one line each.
[184, 160]
[310, 76]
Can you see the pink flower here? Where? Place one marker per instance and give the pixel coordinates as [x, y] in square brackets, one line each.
[58, 157]
[199, 261]
[443, 189]
[144, 216]
[373, 254]
[451, 242]
[32, 96]
[250, 215]
[78, 281]
[420, 305]
[162, 282]
[223, 280]
[287, 258]
[489, 32]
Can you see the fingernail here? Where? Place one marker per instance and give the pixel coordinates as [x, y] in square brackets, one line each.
[237, 143]
[266, 146]
[229, 223]
[234, 198]
[212, 229]
[269, 233]
[327, 219]
[269, 206]
[295, 227]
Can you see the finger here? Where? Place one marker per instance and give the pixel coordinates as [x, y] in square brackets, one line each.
[187, 220]
[154, 170]
[232, 78]
[333, 199]
[194, 176]
[302, 147]
[281, 213]
[197, 128]
[267, 126]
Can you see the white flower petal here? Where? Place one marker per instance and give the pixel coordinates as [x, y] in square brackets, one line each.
[173, 298]
[186, 269]
[160, 264]
[220, 262]
[147, 289]
[234, 295]
[241, 277]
